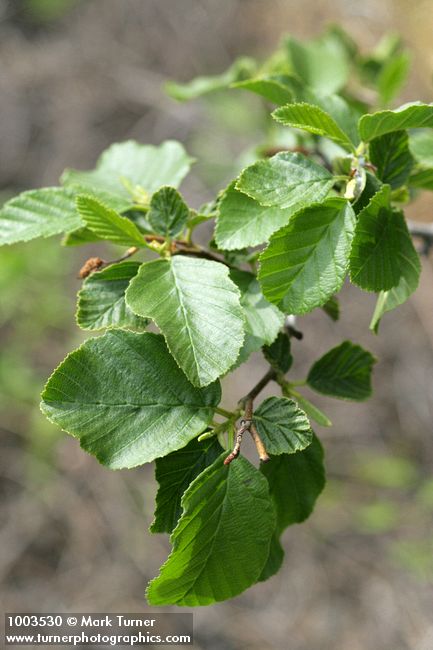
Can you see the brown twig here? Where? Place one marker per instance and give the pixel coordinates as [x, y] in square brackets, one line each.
[178, 246]
[251, 396]
[247, 424]
[261, 449]
[247, 403]
[243, 427]
[97, 263]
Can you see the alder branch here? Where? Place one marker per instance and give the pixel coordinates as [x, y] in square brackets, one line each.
[247, 403]
[424, 231]
[247, 424]
[420, 229]
[178, 246]
[97, 263]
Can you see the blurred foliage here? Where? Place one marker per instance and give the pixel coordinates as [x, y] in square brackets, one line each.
[47, 10]
[36, 306]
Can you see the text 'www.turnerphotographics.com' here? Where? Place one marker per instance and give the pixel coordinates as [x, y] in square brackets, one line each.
[113, 630]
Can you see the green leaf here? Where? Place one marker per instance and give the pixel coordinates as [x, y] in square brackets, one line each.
[312, 410]
[80, 237]
[196, 306]
[287, 180]
[344, 115]
[372, 186]
[168, 213]
[222, 540]
[241, 221]
[336, 33]
[314, 120]
[376, 260]
[392, 158]
[38, 213]
[295, 482]
[129, 168]
[332, 308]
[344, 372]
[282, 425]
[241, 68]
[278, 89]
[408, 116]
[278, 353]
[421, 146]
[306, 262]
[392, 77]
[275, 559]
[101, 301]
[174, 474]
[321, 64]
[262, 320]
[389, 300]
[107, 223]
[124, 397]
[422, 179]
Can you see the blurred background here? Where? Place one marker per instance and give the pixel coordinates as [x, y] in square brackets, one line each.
[76, 76]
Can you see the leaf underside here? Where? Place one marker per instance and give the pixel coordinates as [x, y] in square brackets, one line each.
[196, 306]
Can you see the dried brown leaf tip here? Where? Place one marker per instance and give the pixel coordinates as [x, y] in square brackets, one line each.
[92, 264]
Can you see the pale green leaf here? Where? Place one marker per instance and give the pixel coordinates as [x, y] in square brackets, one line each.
[131, 171]
[393, 76]
[321, 63]
[242, 68]
[101, 301]
[344, 115]
[344, 372]
[196, 306]
[222, 540]
[80, 237]
[262, 320]
[314, 120]
[125, 398]
[174, 474]
[282, 425]
[278, 89]
[422, 179]
[295, 482]
[287, 180]
[106, 223]
[306, 262]
[421, 146]
[241, 221]
[408, 116]
[168, 213]
[312, 410]
[38, 213]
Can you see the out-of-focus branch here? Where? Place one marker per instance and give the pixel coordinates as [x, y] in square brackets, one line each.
[424, 231]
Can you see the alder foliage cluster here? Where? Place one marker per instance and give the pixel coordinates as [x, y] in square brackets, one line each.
[322, 200]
